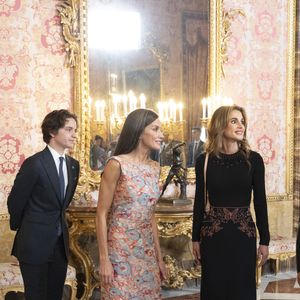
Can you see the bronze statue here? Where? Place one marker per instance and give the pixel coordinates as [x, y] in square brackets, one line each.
[178, 171]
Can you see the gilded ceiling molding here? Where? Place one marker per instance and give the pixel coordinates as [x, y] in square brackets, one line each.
[227, 17]
[69, 14]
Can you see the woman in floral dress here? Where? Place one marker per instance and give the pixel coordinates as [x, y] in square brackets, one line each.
[131, 264]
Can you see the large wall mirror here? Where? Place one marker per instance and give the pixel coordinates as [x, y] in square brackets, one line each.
[129, 54]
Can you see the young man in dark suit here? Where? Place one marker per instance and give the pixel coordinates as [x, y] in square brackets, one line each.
[195, 147]
[43, 189]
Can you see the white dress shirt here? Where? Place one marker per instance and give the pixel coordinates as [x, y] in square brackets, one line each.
[56, 157]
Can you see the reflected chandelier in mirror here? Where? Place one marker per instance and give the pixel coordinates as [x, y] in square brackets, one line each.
[76, 12]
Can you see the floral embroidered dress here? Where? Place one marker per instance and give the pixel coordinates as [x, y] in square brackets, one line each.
[227, 233]
[130, 236]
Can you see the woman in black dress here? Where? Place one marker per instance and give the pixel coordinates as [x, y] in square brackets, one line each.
[224, 234]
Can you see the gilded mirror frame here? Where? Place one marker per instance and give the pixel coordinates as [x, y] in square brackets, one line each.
[74, 22]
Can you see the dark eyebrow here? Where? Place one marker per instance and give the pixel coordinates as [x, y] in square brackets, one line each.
[234, 118]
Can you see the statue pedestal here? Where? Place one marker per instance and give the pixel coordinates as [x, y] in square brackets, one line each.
[174, 201]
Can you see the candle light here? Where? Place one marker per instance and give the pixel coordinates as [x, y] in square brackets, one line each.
[97, 105]
[115, 104]
[130, 96]
[134, 103]
[142, 100]
[160, 110]
[125, 105]
[172, 106]
[180, 107]
[102, 109]
[166, 111]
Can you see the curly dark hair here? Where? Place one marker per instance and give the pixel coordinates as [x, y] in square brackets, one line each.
[55, 120]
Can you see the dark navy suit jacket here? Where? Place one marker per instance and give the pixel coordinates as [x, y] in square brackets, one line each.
[36, 209]
[190, 162]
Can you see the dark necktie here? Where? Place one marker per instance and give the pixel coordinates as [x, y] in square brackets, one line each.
[195, 151]
[61, 179]
[196, 147]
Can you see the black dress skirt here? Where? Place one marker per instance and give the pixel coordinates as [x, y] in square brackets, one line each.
[228, 254]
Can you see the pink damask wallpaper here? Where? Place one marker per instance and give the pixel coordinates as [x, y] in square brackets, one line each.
[256, 79]
[33, 80]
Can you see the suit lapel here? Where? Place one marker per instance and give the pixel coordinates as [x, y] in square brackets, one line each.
[70, 180]
[51, 171]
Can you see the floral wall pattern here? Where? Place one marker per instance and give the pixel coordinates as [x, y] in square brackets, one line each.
[33, 81]
[257, 69]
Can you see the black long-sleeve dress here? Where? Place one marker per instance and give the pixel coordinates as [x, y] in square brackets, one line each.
[227, 233]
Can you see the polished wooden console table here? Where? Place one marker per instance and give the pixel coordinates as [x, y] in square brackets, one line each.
[174, 226]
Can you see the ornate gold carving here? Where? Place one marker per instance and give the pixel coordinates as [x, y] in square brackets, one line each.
[290, 90]
[74, 21]
[226, 20]
[175, 129]
[176, 275]
[171, 229]
[83, 222]
[68, 11]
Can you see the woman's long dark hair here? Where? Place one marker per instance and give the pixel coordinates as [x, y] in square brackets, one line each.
[132, 129]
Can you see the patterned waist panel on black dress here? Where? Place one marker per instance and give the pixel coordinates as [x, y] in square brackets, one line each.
[218, 217]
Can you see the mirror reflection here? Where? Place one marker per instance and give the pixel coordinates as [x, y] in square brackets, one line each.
[140, 56]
